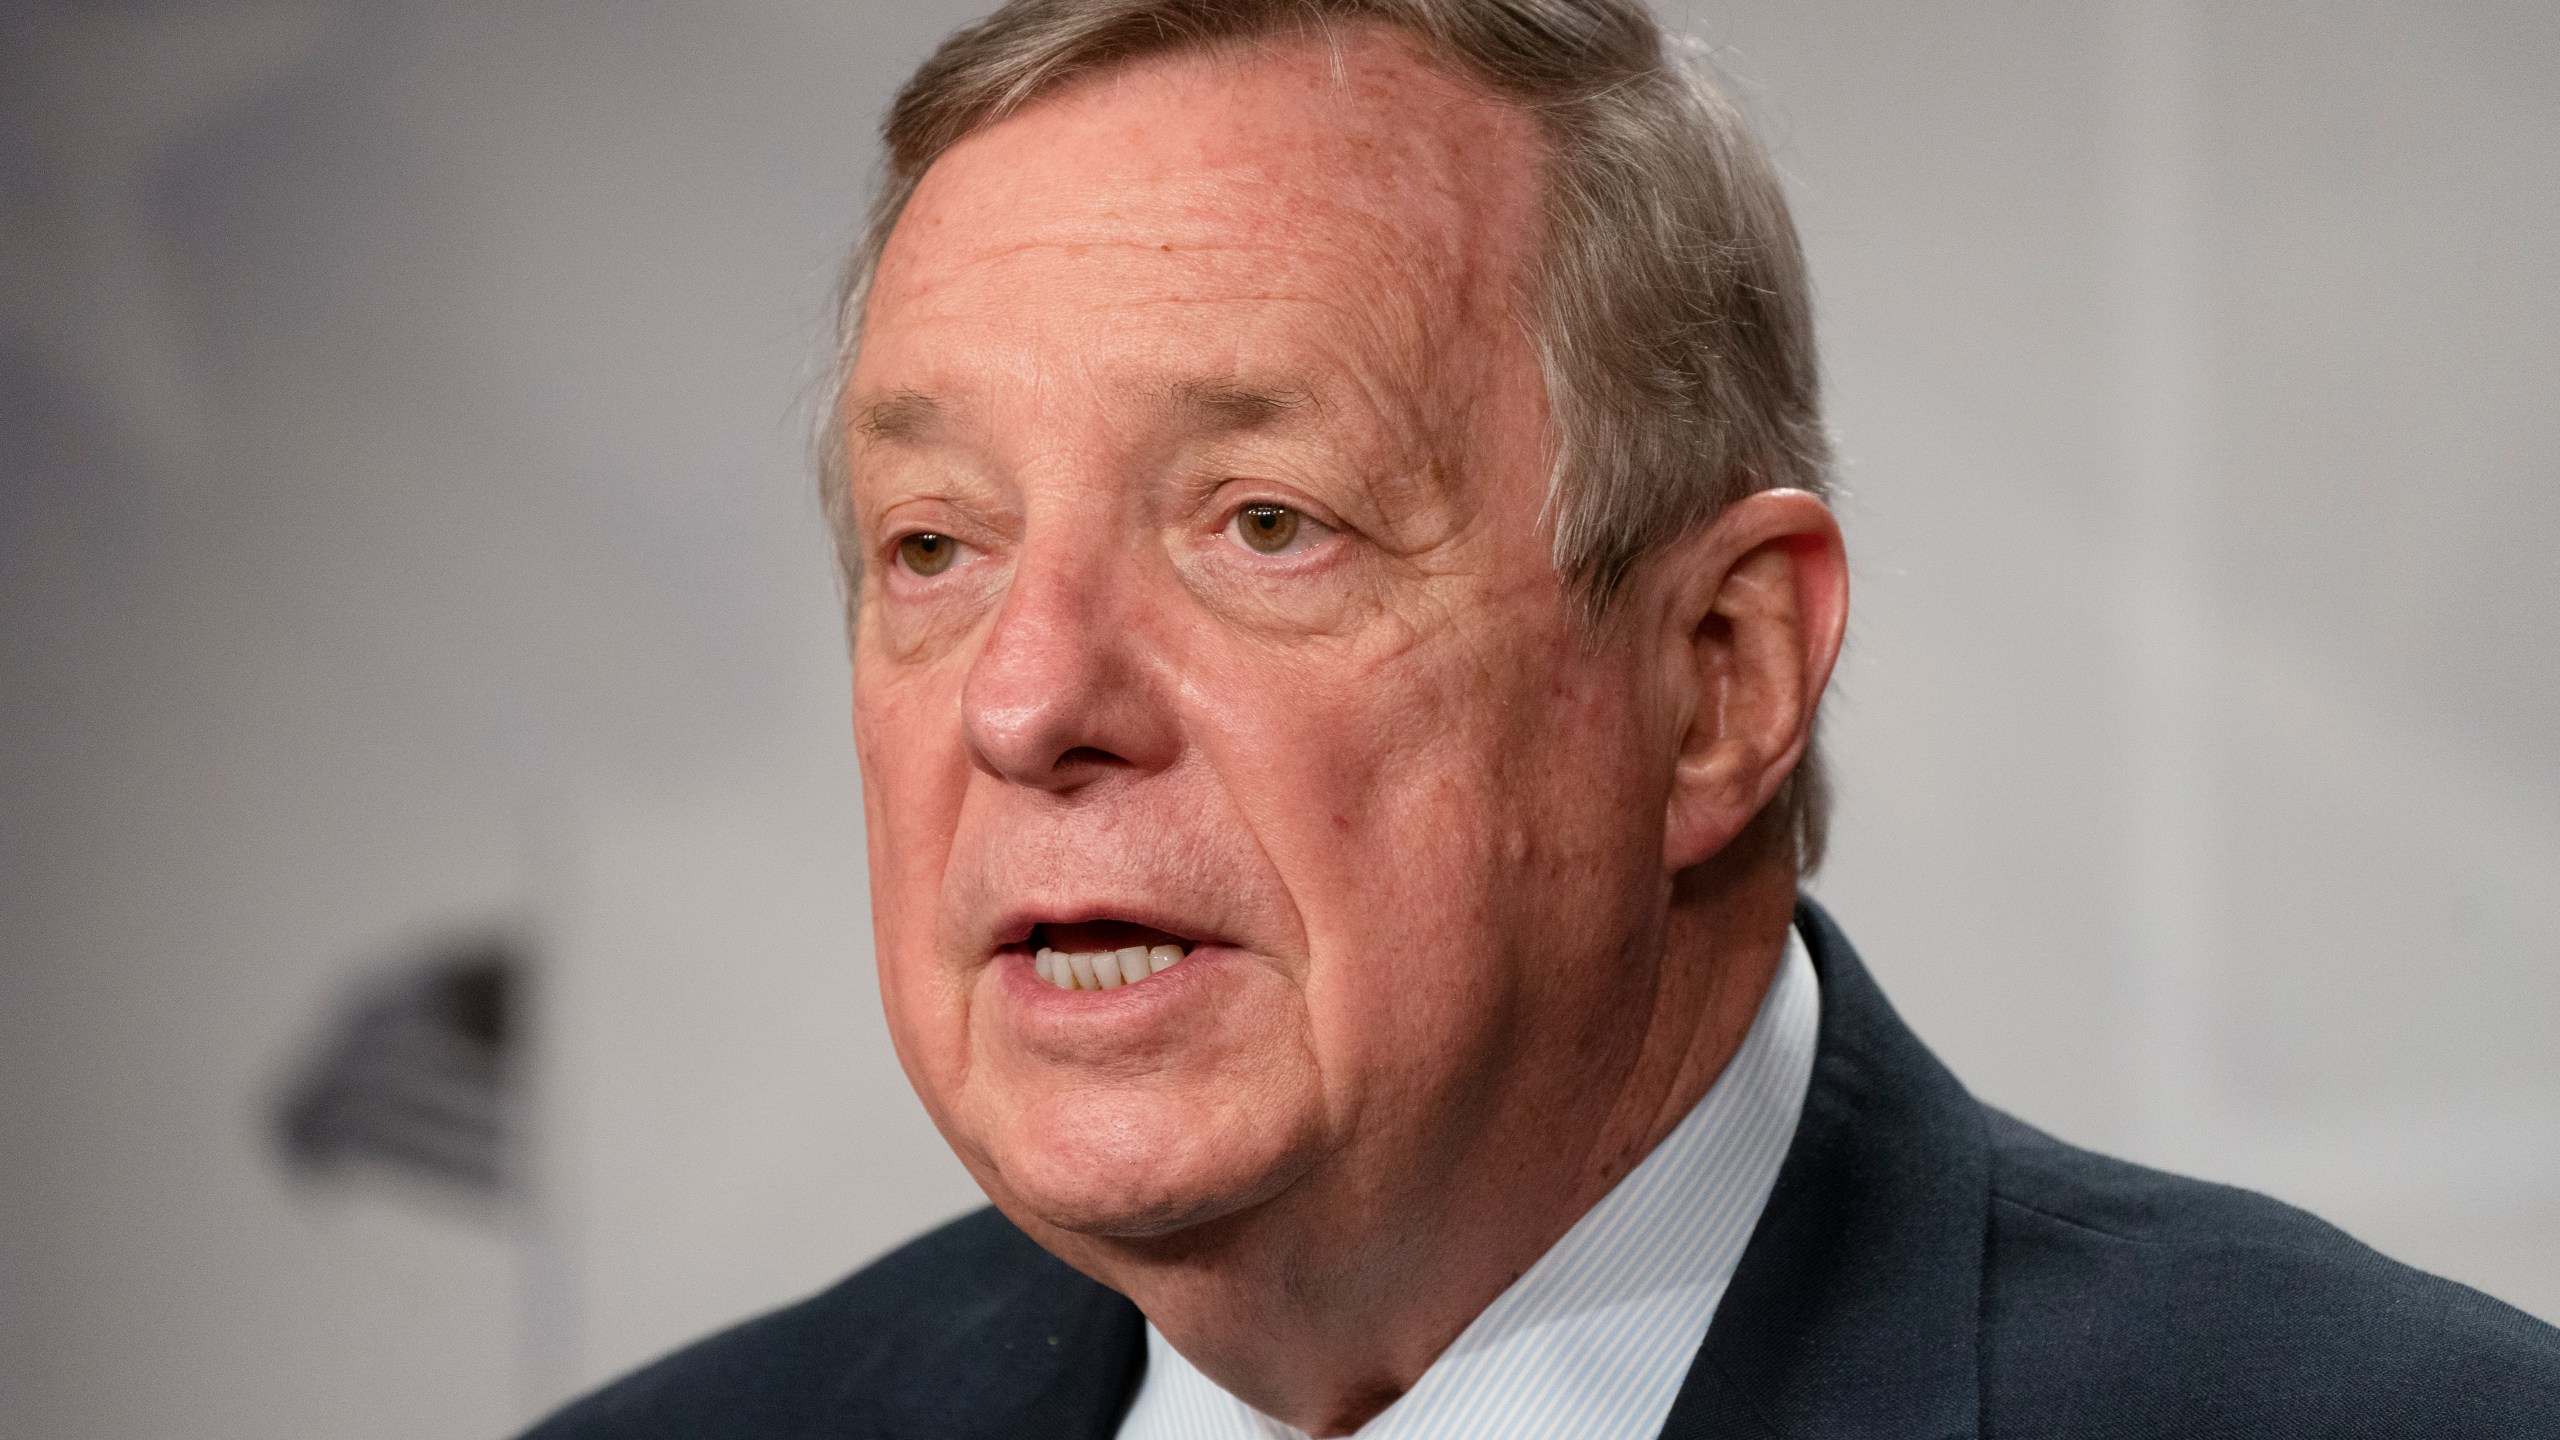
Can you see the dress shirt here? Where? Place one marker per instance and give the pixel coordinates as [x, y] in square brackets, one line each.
[1592, 1342]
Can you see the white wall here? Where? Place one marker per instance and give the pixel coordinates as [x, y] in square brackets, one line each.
[2195, 368]
[405, 526]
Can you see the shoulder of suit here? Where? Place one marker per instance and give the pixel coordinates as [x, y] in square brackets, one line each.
[2112, 1290]
[852, 1348]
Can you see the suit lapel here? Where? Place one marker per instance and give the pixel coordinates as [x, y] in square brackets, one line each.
[1058, 1357]
[1856, 1309]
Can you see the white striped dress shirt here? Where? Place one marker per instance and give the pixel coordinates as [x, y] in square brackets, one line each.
[1593, 1341]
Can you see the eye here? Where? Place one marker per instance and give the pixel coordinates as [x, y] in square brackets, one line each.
[1269, 529]
[927, 553]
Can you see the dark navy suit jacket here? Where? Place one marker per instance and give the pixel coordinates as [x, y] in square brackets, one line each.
[1927, 1267]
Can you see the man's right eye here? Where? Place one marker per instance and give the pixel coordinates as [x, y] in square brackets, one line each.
[927, 553]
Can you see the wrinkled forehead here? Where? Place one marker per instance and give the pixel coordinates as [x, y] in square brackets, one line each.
[1338, 170]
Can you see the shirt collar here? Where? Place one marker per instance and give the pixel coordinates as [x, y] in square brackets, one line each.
[1591, 1343]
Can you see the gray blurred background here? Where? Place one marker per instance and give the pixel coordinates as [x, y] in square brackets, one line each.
[405, 535]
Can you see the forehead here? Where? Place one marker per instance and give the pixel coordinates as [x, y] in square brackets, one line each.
[1285, 204]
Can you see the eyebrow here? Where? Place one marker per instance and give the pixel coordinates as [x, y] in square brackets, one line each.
[901, 415]
[1220, 407]
[1227, 406]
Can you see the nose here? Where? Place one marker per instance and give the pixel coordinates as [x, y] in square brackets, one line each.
[1068, 689]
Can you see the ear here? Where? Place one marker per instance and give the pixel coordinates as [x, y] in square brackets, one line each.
[1751, 611]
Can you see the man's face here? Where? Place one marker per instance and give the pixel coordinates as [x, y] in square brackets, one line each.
[1199, 456]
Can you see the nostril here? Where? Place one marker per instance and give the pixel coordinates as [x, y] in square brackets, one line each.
[1085, 755]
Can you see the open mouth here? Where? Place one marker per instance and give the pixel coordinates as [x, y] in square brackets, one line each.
[1103, 954]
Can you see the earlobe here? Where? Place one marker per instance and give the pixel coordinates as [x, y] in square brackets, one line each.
[1757, 603]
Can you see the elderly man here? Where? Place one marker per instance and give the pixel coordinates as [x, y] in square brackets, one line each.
[1330, 493]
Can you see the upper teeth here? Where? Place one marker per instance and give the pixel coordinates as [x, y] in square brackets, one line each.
[1103, 969]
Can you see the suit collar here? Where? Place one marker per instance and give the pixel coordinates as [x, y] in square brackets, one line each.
[1857, 1304]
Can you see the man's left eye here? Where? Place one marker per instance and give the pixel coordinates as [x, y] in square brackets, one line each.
[1268, 529]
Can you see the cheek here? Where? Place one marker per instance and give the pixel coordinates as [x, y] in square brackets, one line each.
[1442, 816]
[1437, 760]
[1455, 821]
[913, 781]
[900, 789]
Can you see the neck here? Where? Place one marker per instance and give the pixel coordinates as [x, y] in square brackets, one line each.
[1323, 1305]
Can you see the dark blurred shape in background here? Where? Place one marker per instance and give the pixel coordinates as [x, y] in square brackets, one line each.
[419, 1073]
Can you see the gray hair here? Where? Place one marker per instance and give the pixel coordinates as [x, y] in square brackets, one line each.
[1670, 305]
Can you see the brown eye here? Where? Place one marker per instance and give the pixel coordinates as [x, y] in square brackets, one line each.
[1267, 528]
[928, 553]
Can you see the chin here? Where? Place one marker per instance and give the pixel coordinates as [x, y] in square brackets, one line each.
[1095, 1170]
